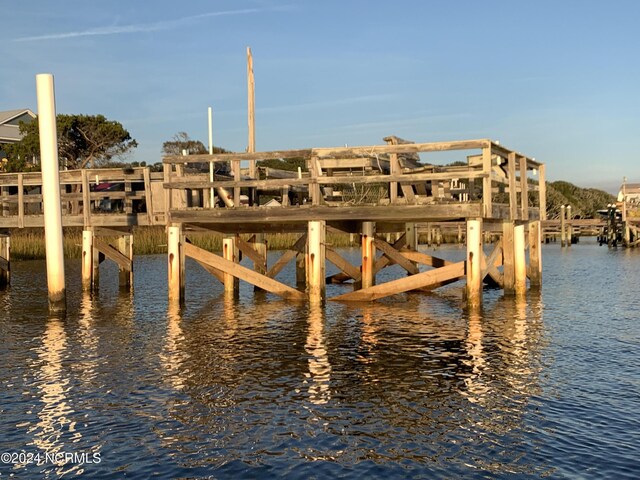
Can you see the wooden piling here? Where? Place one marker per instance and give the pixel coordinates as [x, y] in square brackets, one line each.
[473, 264]
[508, 260]
[230, 252]
[176, 264]
[411, 235]
[5, 263]
[316, 260]
[51, 192]
[125, 273]
[368, 254]
[535, 254]
[87, 260]
[520, 260]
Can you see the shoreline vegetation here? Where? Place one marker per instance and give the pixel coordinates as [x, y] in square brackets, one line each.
[28, 244]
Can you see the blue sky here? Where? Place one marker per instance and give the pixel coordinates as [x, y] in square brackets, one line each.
[557, 80]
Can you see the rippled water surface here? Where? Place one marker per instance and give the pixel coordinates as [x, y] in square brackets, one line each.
[409, 387]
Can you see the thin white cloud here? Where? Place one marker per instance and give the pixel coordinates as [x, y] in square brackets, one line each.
[329, 103]
[139, 27]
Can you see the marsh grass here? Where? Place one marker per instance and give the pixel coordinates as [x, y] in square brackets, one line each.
[28, 244]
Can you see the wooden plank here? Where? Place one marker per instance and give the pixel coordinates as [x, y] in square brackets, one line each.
[401, 148]
[396, 256]
[112, 253]
[227, 157]
[348, 269]
[287, 256]
[405, 284]
[391, 213]
[489, 265]
[218, 274]
[243, 273]
[425, 259]
[247, 249]
[383, 262]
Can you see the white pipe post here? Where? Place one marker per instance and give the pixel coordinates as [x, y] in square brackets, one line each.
[51, 192]
[211, 164]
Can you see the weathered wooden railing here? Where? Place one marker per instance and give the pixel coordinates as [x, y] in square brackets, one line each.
[89, 197]
[492, 176]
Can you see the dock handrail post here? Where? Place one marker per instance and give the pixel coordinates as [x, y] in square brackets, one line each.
[486, 182]
[51, 192]
[315, 260]
[368, 254]
[473, 263]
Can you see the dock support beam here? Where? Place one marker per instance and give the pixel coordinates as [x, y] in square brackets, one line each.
[474, 254]
[5, 263]
[368, 254]
[535, 254]
[51, 192]
[175, 252]
[316, 260]
[520, 260]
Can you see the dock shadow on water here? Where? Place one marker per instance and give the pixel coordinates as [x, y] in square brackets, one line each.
[412, 386]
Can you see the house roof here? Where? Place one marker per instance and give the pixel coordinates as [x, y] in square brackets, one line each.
[10, 124]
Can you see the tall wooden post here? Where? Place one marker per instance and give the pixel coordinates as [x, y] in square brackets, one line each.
[368, 254]
[5, 261]
[316, 260]
[563, 230]
[569, 234]
[535, 254]
[473, 263]
[125, 247]
[51, 192]
[176, 264]
[87, 259]
[520, 259]
[508, 260]
[251, 101]
[230, 252]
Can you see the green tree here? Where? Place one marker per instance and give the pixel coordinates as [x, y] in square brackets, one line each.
[182, 142]
[83, 140]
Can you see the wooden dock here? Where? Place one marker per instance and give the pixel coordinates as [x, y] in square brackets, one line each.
[376, 192]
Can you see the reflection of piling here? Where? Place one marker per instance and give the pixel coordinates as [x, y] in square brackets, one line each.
[51, 192]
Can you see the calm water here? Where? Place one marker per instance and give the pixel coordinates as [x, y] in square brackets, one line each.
[410, 387]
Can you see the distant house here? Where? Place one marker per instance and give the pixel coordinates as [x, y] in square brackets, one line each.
[631, 193]
[10, 124]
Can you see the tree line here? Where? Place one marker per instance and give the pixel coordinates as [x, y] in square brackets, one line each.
[87, 141]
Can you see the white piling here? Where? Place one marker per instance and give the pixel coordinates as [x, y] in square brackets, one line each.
[51, 192]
